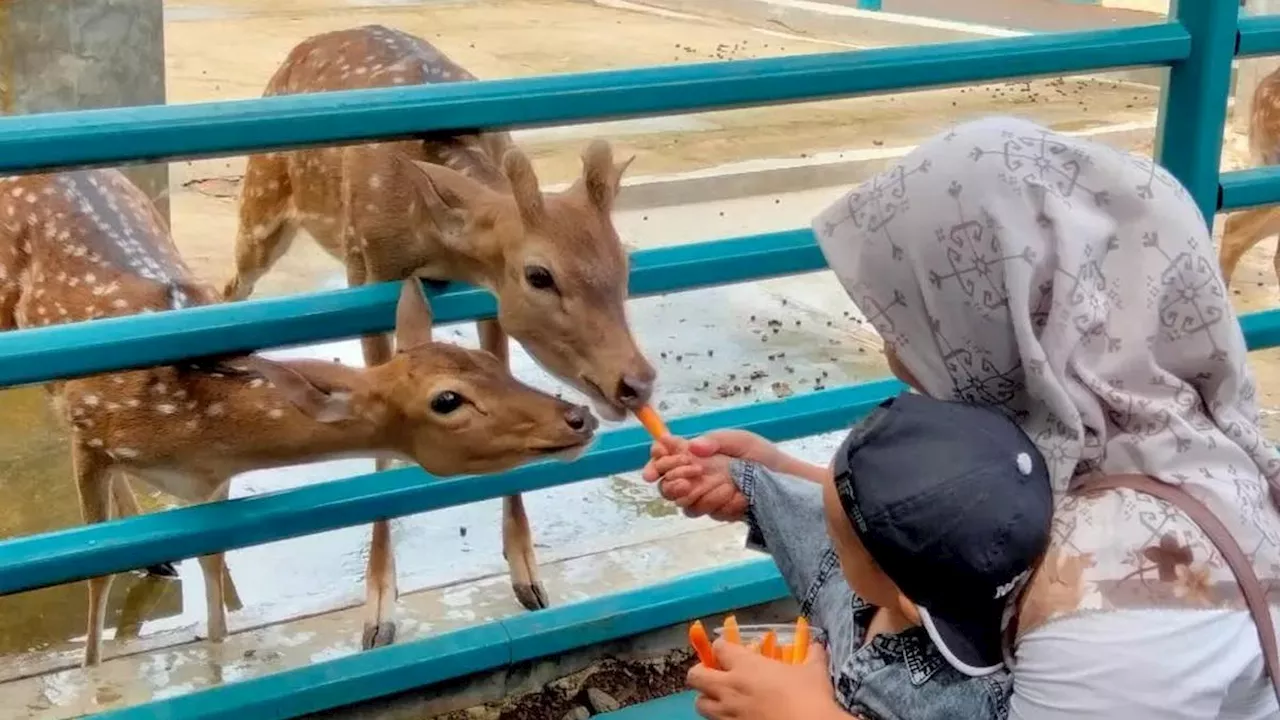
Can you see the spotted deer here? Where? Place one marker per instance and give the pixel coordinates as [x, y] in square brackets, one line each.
[89, 244]
[1247, 228]
[464, 207]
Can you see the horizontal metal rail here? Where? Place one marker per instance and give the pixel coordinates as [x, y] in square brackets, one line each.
[529, 636]
[86, 348]
[1259, 35]
[171, 132]
[1249, 188]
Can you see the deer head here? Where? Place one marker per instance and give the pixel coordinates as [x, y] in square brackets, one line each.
[555, 264]
[452, 410]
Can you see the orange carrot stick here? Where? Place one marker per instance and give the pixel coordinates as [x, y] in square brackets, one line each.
[788, 654]
[802, 641]
[652, 422]
[702, 645]
[731, 632]
[769, 645]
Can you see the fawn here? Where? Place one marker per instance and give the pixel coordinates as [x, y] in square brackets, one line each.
[89, 244]
[1247, 228]
[464, 207]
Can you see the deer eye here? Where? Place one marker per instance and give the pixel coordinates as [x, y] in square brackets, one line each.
[539, 278]
[446, 402]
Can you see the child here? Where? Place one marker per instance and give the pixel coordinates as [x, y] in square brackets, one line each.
[935, 511]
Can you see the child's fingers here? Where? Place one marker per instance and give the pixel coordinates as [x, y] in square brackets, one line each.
[710, 708]
[673, 490]
[706, 681]
[732, 511]
[714, 499]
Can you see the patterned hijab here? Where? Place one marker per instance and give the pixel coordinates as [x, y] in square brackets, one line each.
[1076, 287]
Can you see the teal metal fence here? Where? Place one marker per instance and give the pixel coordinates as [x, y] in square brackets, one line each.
[1197, 45]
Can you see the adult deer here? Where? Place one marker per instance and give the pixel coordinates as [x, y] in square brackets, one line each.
[460, 208]
[1245, 229]
[86, 245]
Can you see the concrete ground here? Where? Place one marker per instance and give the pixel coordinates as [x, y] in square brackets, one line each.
[594, 537]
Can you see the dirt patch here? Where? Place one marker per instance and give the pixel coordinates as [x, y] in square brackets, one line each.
[602, 688]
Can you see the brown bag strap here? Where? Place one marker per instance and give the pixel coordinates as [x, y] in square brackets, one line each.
[1254, 596]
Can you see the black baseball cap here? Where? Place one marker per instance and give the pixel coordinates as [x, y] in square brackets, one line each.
[953, 501]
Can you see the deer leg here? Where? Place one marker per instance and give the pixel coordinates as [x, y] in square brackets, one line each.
[266, 226]
[1243, 230]
[213, 567]
[93, 482]
[380, 570]
[127, 506]
[517, 537]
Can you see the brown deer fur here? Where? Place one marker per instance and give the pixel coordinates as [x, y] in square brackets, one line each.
[86, 245]
[461, 207]
[1245, 229]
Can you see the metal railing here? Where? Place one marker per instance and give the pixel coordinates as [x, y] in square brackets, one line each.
[1197, 45]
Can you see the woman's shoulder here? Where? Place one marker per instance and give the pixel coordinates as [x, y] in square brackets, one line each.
[1121, 550]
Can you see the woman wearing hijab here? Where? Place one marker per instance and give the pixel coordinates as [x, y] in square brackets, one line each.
[1074, 287]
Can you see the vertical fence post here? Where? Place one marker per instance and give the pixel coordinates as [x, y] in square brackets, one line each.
[1193, 110]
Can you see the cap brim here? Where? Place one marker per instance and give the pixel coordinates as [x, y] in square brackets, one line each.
[972, 646]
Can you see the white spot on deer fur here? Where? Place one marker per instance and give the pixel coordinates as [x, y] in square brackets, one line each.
[166, 408]
[17, 192]
[90, 400]
[370, 207]
[260, 232]
[31, 198]
[160, 388]
[215, 410]
[112, 406]
[94, 442]
[257, 383]
[120, 303]
[132, 402]
[275, 413]
[375, 181]
[123, 452]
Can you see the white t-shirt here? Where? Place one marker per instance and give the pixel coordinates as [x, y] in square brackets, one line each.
[1143, 664]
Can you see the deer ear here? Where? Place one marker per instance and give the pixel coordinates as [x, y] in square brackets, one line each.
[601, 176]
[446, 196]
[315, 394]
[524, 186]
[413, 316]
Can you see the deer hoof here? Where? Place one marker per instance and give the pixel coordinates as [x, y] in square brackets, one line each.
[163, 570]
[384, 633]
[532, 597]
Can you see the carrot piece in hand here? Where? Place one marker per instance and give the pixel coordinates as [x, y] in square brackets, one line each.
[702, 645]
[769, 645]
[731, 632]
[652, 422]
[802, 641]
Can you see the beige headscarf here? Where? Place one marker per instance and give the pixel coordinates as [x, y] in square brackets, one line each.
[1076, 287]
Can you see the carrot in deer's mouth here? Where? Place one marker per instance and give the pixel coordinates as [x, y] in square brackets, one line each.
[652, 422]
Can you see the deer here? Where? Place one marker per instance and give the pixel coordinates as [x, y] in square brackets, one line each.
[465, 208]
[89, 244]
[1247, 228]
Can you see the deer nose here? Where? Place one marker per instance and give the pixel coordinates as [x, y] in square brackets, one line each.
[634, 391]
[580, 420]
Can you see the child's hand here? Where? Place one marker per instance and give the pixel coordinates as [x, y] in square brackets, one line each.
[752, 687]
[695, 474]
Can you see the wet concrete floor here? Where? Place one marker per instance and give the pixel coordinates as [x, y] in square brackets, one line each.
[707, 353]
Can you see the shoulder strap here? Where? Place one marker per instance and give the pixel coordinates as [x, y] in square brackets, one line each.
[1254, 596]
